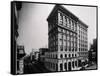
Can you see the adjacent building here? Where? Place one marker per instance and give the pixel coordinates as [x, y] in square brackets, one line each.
[93, 52]
[42, 54]
[34, 55]
[15, 9]
[82, 42]
[20, 59]
[67, 36]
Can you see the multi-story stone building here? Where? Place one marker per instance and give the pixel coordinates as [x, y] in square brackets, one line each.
[42, 54]
[64, 40]
[20, 59]
[82, 42]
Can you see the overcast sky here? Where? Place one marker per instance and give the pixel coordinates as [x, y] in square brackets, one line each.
[33, 27]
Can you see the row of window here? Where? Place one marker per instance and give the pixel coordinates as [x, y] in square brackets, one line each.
[67, 42]
[70, 65]
[83, 49]
[64, 44]
[51, 56]
[66, 66]
[66, 21]
[61, 36]
[67, 48]
[53, 33]
[61, 55]
[82, 40]
[72, 42]
[82, 37]
[53, 48]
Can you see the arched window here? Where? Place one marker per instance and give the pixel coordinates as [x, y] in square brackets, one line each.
[56, 56]
[61, 56]
[69, 56]
[60, 18]
[73, 64]
[56, 67]
[65, 55]
[75, 55]
[61, 47]
[76, 63]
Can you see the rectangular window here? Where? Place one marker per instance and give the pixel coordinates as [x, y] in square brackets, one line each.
[64, 21]
[61, 48]
[64, 37]
[68, 22]
[65, 48]
[60, 42]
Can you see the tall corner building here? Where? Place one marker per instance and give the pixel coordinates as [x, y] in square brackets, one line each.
[67, 41]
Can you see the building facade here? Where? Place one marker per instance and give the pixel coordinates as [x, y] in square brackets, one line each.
[93, 52]
[15, 9]
[36, 54]
[42, 54]
[63, 37]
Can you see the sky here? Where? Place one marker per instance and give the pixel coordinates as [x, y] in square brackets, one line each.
[33, 25]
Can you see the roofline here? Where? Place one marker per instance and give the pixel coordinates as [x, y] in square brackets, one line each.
[82, 23]
[58, 6]
[56, 3]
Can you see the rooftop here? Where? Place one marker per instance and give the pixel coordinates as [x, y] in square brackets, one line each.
[64, 10]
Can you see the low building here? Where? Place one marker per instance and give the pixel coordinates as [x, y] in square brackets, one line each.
[67, 41]
[93, 52]
[32, 56]
[20, 59]
[42, 53]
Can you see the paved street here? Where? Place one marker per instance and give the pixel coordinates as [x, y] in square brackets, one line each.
[35, 67]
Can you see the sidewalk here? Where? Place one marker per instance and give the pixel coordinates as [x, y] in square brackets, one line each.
[77, 68]
[92, 67]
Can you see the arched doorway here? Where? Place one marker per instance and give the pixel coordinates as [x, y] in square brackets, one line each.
[65, 65]
[79, 63]
[69, 66]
